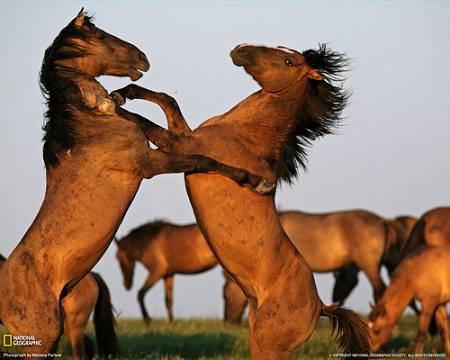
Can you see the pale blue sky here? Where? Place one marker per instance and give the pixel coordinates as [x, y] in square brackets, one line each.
[391, 156]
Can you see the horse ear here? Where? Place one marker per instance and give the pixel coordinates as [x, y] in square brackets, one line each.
[315, 75]
[79, 20]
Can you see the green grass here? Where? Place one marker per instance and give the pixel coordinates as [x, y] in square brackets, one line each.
[213, 340]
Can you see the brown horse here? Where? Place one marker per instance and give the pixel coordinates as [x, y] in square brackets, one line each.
[95, 161]
[433, 229]
[343, 242]
[266, 132]
[89, 292]
[423, 275]
[165, 249]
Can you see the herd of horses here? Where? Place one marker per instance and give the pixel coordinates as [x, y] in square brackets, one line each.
[97, 153]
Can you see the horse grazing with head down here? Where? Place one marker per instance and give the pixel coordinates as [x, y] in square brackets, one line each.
[165, 249]
[89, 294]
[267, 133]
[423, 275]
[95, 161]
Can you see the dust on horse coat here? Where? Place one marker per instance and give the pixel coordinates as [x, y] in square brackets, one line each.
[95, 161]
[423, 275]
[165, 249]
[267, 132]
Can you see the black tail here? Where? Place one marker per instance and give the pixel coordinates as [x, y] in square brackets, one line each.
[350, 329]
[104, 321]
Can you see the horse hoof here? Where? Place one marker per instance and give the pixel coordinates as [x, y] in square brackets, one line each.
[118, 99]
[265, 187]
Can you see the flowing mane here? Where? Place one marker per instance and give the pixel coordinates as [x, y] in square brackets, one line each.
[61, 92]
[321, 113]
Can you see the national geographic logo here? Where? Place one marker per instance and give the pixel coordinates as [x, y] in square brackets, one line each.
[20, 340]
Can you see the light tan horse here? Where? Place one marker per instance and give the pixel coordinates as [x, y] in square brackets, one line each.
[425, 276]
[95, 161]
[90, 294]
[266, 132]
[164, 249]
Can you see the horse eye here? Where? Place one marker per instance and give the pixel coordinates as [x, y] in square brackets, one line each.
[288, 62]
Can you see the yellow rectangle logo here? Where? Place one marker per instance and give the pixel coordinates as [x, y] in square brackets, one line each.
[7, 340]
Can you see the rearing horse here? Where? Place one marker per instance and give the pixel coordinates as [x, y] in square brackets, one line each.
[95, 161]
[266, 133]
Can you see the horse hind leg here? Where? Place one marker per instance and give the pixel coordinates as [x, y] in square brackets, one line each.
[168, 289]
[441, 317]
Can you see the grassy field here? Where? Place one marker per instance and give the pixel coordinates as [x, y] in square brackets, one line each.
[211, 339]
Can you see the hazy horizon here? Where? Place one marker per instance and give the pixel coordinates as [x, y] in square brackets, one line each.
[390, 156]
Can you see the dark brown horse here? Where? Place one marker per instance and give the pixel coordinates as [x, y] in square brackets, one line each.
[89, 294]
[267, 132]
[165, 249]
[423, 275]
[342, 242]
[95, 161]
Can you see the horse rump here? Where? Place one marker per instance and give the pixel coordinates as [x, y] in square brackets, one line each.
[350, 330]
[104, 321]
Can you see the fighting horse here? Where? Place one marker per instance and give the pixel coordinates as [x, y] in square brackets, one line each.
[95, 161]
[164, 249]
[423, 275]
[301, 98]
[90, 293]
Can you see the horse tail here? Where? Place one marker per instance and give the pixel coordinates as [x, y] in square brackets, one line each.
[350, 330]
[104, 321]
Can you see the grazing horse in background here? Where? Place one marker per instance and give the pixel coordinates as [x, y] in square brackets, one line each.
[95, 161]
[432, 229]
[423, 275]
[90, 293]
[342, 242]
[267, 132]
[164, 249]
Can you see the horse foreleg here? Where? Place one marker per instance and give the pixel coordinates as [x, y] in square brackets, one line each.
[168, 289]
[168, 104]
[235, 301]
[151, 280]
[441, 317]
[155, 162]
[424, 323]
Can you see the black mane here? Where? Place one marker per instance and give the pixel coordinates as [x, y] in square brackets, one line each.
[60, 91]
[321, 113]
[147, 231]
[2, 258]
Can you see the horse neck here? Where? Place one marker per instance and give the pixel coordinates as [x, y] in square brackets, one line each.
[270, 117]
[396, 298]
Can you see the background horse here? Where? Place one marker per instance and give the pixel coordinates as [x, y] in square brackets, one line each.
[91, 293]
[266, 132]
[433, 229]
[95, 161]
[342, 242]
[164, 249]
[423, 275]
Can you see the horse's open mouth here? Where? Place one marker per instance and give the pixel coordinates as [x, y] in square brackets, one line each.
[137, 72]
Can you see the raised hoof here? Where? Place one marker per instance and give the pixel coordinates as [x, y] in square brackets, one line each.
[118, 99]
[265, 187]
